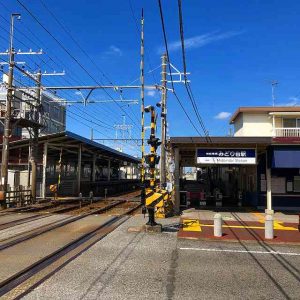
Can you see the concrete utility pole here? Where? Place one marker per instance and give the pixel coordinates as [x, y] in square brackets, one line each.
[34, 151]
[163, 121]
[143, 191]
[9, 101]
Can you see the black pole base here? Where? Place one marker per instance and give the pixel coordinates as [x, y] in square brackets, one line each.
[151, 221]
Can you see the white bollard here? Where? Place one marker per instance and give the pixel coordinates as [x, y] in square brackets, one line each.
[269, 227]
[218, 225]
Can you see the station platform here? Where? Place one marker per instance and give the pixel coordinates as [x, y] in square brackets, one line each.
[239, 227]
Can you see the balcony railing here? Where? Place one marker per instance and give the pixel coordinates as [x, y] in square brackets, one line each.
[287, 132]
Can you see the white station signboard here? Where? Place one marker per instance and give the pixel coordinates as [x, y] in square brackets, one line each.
[226, 156]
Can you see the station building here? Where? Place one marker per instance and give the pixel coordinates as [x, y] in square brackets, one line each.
[52, 115]
[81, 165]
[259, 166]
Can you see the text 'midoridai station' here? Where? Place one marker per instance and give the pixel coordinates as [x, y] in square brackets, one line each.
[226, 156]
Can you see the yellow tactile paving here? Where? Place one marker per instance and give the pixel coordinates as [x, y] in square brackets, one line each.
[195, 225]
[191, 225]
[277, 225]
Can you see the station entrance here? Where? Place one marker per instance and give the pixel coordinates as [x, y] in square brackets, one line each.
[221, 173]
[224, 185]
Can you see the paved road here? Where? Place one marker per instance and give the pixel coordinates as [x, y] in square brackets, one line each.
[159, 266]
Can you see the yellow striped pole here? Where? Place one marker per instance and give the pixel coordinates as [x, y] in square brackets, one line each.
[152, 151]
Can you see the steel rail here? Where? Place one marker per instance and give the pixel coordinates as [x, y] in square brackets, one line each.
[43, 229]
[24, 281]
[21, 221]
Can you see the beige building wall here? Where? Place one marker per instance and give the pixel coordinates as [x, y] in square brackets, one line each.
[254, 125]
[238, 126]
[278, 122]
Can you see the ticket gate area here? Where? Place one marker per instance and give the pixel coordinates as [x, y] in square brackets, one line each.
[221, 186]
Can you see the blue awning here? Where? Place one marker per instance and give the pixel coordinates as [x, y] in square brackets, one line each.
[286, 158]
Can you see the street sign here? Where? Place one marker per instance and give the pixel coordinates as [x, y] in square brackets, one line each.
[226, 156]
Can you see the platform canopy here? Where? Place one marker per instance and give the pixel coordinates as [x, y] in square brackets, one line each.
[67, 140]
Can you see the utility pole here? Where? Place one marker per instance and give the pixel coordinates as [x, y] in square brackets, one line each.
[163, 121]
[9, 101]
[37, 77]
[143, 191]
[34, 150]
[92, 134]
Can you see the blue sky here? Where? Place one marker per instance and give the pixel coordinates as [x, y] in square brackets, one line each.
[234, 49]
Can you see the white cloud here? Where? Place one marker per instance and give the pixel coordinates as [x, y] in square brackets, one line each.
[293, 101]
[200, 40]
[223, 115]
[113, 50]
[151, 93]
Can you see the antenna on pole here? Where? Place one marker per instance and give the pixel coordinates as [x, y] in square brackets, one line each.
[274, 83]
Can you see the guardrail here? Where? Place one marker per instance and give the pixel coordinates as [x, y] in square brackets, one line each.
[18, 197]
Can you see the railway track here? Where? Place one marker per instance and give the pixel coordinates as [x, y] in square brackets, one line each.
[30, 277]
[21, 221]
[55, 208]
[6, 243]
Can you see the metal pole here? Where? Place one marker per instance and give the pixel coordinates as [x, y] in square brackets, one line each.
[153, 142]
[269, 209]
[152, 151]
[108, 168]
[273, 85]
[45, 159]
[177, 180]
[163, 122]
[143, 192]
[92, 134]
[79, 169]
[7, 120]
[94, 168]
[34, 150]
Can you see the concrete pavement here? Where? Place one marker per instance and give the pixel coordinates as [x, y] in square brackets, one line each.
[136, 265]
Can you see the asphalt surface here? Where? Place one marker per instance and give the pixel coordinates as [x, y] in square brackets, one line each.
[159, 266]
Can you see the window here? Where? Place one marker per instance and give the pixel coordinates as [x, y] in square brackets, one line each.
[297, 184]
[46, 107]
[291, 123]
[56, 113]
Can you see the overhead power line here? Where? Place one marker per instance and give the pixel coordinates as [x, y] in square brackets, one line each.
[72, 56]
[78, 45]
[170, 71]
[187, 85]
[138, 32]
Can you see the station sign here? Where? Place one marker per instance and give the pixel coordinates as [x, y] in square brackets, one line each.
[226, 156]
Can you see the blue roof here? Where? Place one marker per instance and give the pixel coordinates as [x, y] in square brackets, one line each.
[100, 146]
[80, 139]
